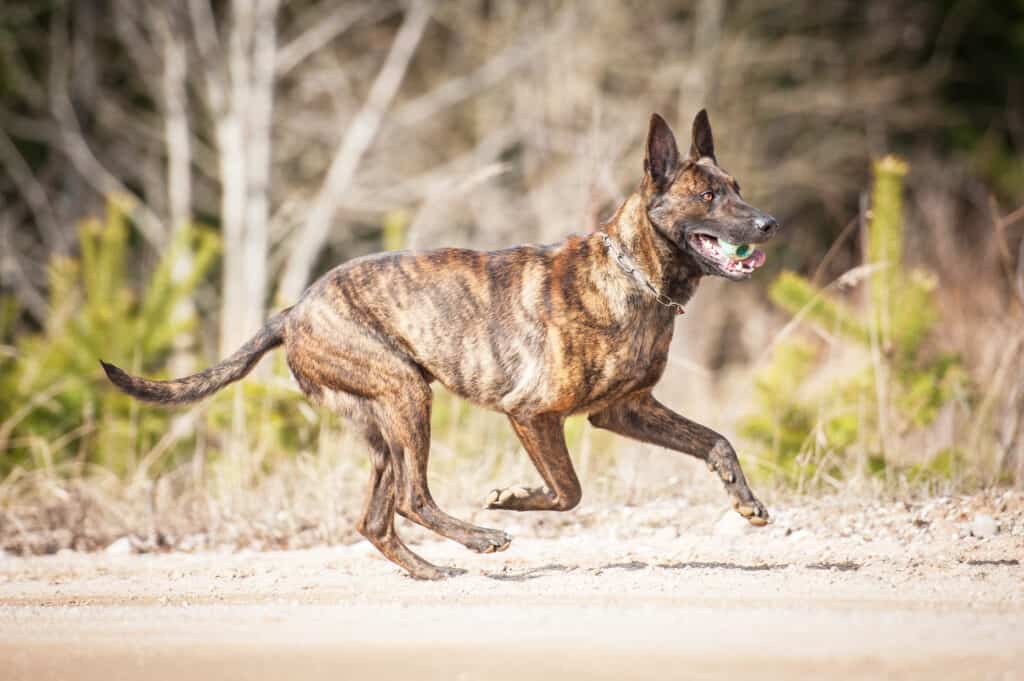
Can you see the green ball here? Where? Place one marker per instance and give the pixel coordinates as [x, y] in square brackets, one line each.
[735, 251]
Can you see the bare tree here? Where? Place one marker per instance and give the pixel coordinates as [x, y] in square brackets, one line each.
[239, 80]
[357, 139]
[170, 27]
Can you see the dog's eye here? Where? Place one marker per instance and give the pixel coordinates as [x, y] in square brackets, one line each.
[707, 196]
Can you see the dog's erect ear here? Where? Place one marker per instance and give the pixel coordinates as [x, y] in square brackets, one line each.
[662, 156]
[703, 144]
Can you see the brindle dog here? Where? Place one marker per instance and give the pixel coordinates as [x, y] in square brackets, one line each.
[536, 332]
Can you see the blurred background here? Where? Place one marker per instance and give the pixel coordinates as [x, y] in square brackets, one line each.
[172, 172]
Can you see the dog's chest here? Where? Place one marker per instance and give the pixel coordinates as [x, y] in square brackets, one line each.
[582, 369]
[631, 359]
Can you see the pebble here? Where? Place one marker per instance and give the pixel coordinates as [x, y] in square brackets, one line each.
[732, 524]
[120, 547]
[666, 534]
[984, 526]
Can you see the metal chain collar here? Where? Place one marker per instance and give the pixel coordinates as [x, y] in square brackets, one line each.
[632, 269]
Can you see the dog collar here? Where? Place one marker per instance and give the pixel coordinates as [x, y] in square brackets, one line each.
[630, 267]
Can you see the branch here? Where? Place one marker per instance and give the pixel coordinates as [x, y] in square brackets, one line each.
[458, 89]
[136, 42]
[76, 148]
[357, 140]
[30, 188]
[323, 30]
[211, 54]
[12, 272]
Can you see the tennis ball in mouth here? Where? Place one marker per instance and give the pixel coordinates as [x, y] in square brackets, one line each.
[735, 251]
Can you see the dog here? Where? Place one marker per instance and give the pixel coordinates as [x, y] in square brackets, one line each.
[536, 332]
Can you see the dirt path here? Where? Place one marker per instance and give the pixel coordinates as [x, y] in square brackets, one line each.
[893, 594]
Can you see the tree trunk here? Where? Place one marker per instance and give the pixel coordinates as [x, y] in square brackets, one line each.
[240, 92]
[178, 142]
[700, 76]
[243, 138]
[258, 113]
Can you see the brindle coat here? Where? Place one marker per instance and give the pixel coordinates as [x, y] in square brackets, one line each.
[536, 332]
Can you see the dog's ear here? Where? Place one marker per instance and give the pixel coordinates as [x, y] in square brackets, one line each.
[703, 144]
[661, 160]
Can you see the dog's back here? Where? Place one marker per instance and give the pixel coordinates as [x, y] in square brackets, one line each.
[508, 329]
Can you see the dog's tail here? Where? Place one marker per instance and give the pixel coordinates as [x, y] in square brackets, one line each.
[205, 383]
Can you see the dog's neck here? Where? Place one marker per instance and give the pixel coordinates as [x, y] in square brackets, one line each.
[675, 272]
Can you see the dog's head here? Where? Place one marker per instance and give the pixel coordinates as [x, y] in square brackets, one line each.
[696, 205]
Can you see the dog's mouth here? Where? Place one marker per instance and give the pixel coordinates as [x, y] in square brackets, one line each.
[736, 261]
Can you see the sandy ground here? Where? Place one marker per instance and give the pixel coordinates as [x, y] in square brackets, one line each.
[659, 591]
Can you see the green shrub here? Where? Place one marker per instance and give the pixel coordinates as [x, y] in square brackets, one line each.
[55, 404]
[829, 409]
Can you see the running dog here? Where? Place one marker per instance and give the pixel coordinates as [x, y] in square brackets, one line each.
[536, 332]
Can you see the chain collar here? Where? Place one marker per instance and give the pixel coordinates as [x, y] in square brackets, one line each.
[630, 267]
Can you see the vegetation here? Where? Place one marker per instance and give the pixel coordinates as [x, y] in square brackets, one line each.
[57, 411]
[859, 399]
[53, 409]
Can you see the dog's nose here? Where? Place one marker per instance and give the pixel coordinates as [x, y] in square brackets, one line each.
[766, 224]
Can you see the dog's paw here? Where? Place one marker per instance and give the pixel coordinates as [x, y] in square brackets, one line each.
[753, 510]
[491, 542]
[506, 498]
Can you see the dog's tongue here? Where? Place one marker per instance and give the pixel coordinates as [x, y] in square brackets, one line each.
[755, 259]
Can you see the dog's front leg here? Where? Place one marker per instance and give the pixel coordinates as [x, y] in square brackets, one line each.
[641, 417]
[543, 438]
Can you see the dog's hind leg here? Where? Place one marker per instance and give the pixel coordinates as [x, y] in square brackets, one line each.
[543, 438]
[405, 422]
[378, 521]
[644, 418]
